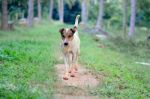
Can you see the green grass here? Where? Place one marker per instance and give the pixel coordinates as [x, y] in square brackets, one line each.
[123, 78]
[28, 56]
[27, 59]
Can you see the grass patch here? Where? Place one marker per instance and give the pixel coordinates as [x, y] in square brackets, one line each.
[28, 56]
[116, 61]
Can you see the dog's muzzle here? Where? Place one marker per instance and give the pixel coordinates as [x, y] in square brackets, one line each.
[65, 44]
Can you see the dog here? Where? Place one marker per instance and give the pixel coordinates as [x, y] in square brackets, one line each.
[70, 46]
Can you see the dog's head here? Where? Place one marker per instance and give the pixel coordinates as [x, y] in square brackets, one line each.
[67, 35]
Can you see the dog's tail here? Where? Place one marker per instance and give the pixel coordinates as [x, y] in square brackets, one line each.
[77, 21]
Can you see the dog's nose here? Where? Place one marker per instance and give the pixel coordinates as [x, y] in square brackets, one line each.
[65, 43]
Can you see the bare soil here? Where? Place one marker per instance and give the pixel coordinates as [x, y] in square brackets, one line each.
[78, 87]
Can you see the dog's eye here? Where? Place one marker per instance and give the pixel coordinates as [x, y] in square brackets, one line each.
[69, 36]
[63, 36]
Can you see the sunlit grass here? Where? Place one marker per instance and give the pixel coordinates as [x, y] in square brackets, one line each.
[123, 78]
[28, 56]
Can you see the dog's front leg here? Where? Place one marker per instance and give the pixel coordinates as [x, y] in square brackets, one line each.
[66, 61]
[73, 65]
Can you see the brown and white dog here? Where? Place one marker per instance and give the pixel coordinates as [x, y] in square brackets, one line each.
[70, 46]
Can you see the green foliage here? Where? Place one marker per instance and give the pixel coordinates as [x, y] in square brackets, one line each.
[137, 49]
[116, 64]
[143, 13]
[112, 10]
[93, 12]
[27, 58]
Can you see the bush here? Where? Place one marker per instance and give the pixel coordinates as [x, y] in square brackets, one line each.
[131, 47]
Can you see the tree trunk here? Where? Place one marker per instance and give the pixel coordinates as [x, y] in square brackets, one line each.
[100, 15]
[51, 10]
[132, 19]
[4, 15]
[30, 13]
[124, 18]
[39, 9]
[61, 10]
[84, 12]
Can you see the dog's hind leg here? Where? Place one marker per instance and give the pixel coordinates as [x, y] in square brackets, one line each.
[73, 66]
[76, 65]
[76, 62]
[70, 62]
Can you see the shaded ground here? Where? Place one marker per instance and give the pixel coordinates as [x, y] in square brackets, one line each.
[77, 87]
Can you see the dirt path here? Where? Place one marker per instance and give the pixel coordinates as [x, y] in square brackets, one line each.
[77, 87]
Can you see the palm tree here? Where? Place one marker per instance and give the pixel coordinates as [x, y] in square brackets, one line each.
[61, 10]
[30, 13]
[125, 17]
[132, 19]
[39, 9]
[51, 10]
[4, 15]
[100, 15]
[84, 12]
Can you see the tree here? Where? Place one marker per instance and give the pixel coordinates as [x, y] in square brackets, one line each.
[39, 9]
[4, 15]
[100, 15]
[61, 10]
[84, 12]
[30, 13]
[132, 18]
[125, 17]
[51, 10]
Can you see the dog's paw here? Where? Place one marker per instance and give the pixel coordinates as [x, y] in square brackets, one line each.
[65, 78]
[76, 68]
[69, 71]
[73, 73]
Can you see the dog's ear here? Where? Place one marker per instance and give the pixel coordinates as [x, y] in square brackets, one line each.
[73, 30]
[61, 30]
